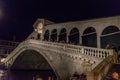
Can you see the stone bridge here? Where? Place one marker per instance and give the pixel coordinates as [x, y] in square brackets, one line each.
[64, 59]
[49, 47]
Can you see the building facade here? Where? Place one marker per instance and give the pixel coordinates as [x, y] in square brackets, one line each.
[93, 33]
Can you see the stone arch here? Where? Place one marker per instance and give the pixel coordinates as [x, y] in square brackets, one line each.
[110, 29]
[46, 35]
[34, 57]
[63, 35]
[110, 35]
[89, 37]
[74, 36]
[54, 35]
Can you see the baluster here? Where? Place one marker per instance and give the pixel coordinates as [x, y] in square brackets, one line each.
[99, 54]
[102, 54]
[79, 50]
[96, 53]
[88, 51]
[91, 52]
[107, 54]
[83, 50]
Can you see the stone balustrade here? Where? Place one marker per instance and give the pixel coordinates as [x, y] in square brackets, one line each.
[94, 52]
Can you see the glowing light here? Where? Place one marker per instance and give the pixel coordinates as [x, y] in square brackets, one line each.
[39, 78]
[2, 60]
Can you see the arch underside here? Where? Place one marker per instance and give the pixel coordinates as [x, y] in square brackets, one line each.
[30, 59]
[112, 40]
[89, 37]
[111, 36]
[74, 36]
[31, 64]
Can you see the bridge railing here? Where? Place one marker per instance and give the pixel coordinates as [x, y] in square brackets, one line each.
[95, 52]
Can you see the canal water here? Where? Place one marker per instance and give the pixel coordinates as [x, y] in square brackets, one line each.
[31, 75]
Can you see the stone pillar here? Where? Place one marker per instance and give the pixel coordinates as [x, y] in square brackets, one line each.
[98, 41]
[80, 40]
[57, 37]
[67, 38]
[49, 36]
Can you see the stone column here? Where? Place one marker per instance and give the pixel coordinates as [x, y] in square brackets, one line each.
[98, 41]
[80, 40]
[67, 38]
[57, 37]
[49, 37]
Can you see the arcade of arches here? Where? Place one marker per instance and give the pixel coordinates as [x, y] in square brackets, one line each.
[110, 35]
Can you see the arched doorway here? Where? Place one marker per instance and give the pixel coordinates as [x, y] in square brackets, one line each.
[54, 35]
[30, 65]
[46, 35]
[62, 35]
[89, 37]
[111, 36]
[74, 36]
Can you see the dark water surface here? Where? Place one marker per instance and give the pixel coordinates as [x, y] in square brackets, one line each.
[30, 74]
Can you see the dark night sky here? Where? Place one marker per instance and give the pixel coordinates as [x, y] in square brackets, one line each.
[18, 16]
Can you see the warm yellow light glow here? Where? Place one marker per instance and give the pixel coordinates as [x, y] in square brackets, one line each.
[39, 79]
[3, 59]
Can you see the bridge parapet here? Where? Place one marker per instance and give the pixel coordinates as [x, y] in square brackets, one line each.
[95, 52]
[92, 55]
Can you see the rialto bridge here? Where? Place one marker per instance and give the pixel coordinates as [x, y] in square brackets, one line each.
[65, 48]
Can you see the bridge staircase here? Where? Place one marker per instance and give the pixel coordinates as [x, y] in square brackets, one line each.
[103, 70]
